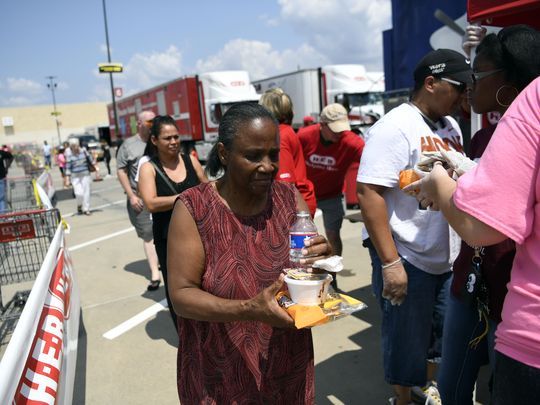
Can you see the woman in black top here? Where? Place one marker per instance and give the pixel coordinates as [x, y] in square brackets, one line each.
[106, 155]
[162, 179]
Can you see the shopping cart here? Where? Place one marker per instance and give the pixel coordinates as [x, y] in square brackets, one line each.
[25, 237]
[21, 193]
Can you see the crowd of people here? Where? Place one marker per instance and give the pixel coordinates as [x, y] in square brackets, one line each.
[438, 325]
[455, 255]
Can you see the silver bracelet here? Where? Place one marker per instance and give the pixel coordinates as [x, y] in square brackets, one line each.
[385, 266]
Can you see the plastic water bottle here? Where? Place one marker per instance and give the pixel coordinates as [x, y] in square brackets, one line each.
[303, 228]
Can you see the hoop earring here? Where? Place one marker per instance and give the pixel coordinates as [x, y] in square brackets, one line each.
[499, 90]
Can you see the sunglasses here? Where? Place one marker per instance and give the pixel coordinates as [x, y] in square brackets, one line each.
[480, 75]
[461, 87]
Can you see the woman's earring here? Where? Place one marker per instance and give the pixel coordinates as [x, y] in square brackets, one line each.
[497, 95]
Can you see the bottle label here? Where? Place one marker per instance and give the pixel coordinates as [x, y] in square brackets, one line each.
[297, 239]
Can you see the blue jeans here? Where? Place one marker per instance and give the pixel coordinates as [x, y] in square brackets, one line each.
[411, 332]
[3, 194]
[514, 383]
[461, 362]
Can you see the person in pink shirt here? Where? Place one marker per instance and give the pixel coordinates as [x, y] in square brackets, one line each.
[499, 199]
[504, 65]
[61, 163]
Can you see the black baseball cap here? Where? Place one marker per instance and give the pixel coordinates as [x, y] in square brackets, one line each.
[444, 63]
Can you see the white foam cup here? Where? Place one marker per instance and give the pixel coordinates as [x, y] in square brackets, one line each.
[309, 292]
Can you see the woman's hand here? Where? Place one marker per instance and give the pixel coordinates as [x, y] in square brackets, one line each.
[316, 247]
[265, 307]
[458, 162]
[426, 190]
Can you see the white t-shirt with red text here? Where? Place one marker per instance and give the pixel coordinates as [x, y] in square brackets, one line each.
[393, 144]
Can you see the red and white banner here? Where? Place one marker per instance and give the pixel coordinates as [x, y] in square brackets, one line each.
[38, 366]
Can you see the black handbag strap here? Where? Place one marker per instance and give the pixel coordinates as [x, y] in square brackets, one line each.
[165, 178]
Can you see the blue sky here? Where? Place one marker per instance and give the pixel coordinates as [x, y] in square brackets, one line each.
[160, 40]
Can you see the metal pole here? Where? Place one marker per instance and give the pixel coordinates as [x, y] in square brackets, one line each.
[52, 85]
[110, 74]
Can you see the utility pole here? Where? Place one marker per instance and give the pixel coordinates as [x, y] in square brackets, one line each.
[116, 129]
[52, 85]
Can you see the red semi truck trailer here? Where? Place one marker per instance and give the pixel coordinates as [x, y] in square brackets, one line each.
[196, 102]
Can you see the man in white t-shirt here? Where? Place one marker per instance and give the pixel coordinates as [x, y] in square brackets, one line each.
[412, 249]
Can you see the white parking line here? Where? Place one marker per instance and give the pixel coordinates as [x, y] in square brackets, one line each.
[99, 304]
[99, 190]
[109, 236]
[136, 320]
[98, 207]
[334, 401]
[141, 316]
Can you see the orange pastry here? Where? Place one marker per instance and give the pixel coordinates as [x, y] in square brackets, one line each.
[407, 177]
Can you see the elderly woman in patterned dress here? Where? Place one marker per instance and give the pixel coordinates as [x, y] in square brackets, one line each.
[228, 244]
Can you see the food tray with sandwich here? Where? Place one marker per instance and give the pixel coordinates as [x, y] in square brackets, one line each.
[310, 300]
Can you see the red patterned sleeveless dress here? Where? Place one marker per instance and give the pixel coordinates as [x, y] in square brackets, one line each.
[243, 362]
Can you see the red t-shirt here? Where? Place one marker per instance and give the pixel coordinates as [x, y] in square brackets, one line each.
[292, 166]
[327, 164]
[497, 259]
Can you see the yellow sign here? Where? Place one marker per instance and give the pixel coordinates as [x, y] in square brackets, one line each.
[57, 113]
[110, 68]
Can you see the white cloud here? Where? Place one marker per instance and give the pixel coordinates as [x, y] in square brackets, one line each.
[103, 49]
[345, 31]
[143, 70]
[24, 86]
[17, 101]
[269, 21]
[260, 59]
[21, 91]
[101, 91]
[63, 86]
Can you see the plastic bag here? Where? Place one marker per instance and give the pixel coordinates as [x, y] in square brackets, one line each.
[335, 306]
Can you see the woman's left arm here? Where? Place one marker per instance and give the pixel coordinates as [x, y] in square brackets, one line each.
[148, 192]
[198, 169]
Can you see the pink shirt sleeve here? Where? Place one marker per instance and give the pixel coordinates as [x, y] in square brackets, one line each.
[502, 190]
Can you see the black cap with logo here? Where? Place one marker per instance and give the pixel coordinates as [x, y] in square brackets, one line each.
[444, 63]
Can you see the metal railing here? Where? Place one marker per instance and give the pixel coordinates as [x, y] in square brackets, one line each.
[25, 237]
